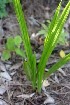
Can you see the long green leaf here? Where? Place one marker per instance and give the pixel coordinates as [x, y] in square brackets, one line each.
[56, 66]
[23, 27]
[54, 20]
[25, 38]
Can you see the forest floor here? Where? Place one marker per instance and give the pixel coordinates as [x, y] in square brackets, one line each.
[15, 89]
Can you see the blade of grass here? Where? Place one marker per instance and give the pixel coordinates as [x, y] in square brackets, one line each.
[56, 66]
[23, 27]
[25, 38]
[54, 20]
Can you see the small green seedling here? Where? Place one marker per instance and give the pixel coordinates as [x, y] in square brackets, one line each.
[36, 73]
[13, 45]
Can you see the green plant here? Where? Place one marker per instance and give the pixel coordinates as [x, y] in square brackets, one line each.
[63, 36]
[13, 45]
[3, 12]
[36, 73]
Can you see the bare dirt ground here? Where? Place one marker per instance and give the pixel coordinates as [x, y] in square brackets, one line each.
[15, 89]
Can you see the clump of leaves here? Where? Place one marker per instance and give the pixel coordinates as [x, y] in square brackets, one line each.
[36, 73]
[3, 12]
[13, 45]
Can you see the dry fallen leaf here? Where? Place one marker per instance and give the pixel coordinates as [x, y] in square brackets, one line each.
[13, 73]
[61, 71]
[49, 100]
[16, 66]
[46, 83]
[26, 96]
[2, 90]
[2, 102]
[6, 75]
[2, 67]
[62, 54]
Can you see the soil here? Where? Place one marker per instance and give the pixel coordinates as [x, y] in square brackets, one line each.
[19, 90]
